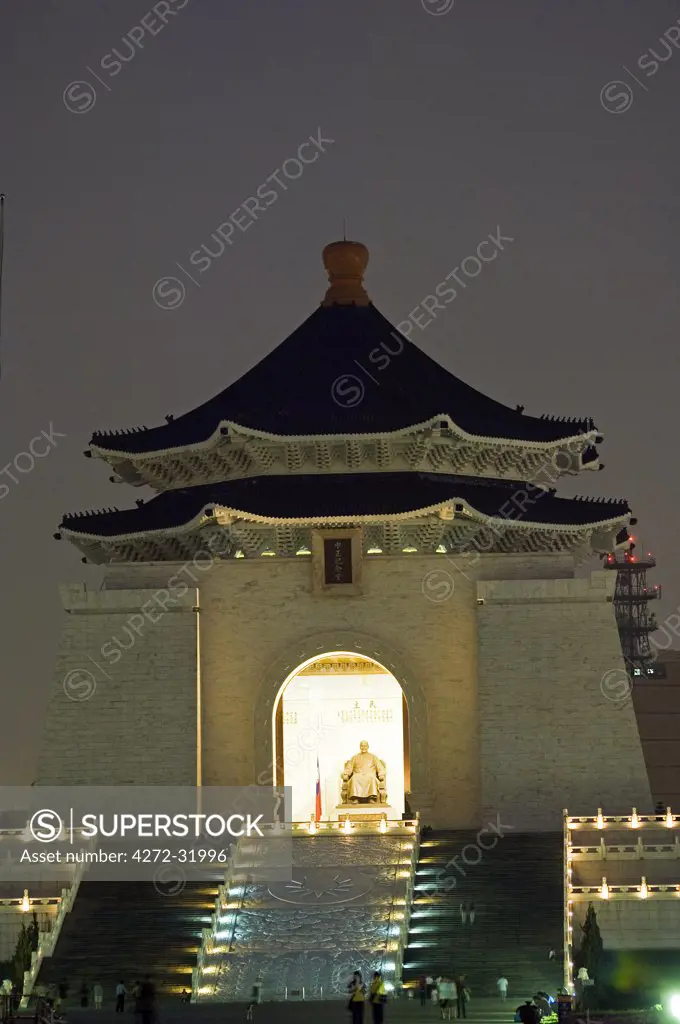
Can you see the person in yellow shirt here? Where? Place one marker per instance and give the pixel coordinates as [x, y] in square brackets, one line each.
[377, 997]
[357, 998]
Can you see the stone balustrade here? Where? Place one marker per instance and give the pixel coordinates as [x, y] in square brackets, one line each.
[48, 940]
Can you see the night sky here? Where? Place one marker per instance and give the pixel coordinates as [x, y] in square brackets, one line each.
[447, 120]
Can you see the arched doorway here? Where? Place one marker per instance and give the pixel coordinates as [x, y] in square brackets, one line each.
[323, 710]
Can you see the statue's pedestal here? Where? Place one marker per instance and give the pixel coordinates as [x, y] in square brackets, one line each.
[365, 812]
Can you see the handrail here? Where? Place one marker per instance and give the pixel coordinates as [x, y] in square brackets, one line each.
[398, 947]
[209, 935]
[47, 941]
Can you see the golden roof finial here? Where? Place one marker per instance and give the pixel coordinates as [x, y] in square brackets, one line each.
[345, 263]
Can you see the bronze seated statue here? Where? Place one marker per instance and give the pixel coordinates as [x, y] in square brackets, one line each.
[364, 779]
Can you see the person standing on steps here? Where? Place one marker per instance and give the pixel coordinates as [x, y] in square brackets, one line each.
[56, 1000]
[98, 996]
[422, 989]
[446, 997]
[121, 992]
[357, 998]
[147, 1000]
[462, 996]
[377, 997]
[502, 986]
[136, 995]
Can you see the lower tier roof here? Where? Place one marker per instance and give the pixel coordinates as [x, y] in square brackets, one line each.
[348, 496]
[400, 511]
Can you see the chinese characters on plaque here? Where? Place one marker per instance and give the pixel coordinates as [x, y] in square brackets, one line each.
[337, 561]
[372, 715]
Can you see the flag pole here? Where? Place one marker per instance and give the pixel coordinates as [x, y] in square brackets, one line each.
[2, 247]
[318, 808]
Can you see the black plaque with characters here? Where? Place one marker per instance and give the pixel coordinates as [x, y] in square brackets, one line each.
[337, 553]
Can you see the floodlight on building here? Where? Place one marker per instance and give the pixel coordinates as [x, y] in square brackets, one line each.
[347, 826]
[673, 1005]
[303, 551]
[374, 551]
[644, 892]
[312, 827]
[669, 818]
[634, 820]
[383, 825]
[25, 902]
[600, 818]
[604, 890]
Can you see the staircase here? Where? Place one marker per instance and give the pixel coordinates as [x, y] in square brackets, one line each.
[123, 930]
[517, 892]
[345, 909]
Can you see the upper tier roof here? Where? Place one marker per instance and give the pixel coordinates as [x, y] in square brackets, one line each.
[346, 371]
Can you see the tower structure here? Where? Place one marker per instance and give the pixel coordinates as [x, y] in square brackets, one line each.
[635, 621]
[349, 501]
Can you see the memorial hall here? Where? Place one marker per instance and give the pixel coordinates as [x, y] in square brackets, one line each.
[355, 578]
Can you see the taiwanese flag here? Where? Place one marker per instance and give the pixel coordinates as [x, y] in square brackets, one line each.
[317, 810]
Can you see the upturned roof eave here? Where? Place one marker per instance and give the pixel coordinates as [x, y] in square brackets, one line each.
[475, 518]
[101, 451]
